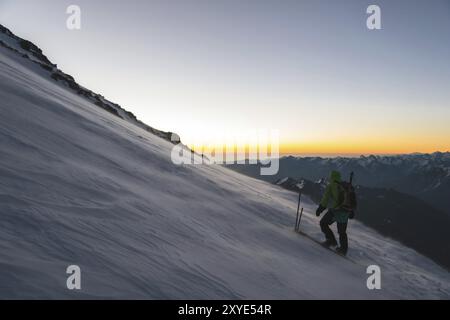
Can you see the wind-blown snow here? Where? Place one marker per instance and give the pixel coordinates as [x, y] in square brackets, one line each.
[81, 186]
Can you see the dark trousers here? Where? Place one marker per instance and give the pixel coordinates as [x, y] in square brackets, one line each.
[326, 222]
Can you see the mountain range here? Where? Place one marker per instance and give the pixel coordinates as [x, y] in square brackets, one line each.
[425, 176]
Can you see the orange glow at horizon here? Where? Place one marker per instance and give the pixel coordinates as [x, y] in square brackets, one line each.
[366, 147]
[356, 149]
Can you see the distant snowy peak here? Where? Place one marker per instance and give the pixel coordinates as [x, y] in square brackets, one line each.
[436, 156]
[426, 176]
[30, 51]
[406, 162]
[282, 181]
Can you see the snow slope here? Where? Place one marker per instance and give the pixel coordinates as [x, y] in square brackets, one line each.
[81, 186]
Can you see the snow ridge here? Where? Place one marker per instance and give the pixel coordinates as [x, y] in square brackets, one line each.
[30, 51]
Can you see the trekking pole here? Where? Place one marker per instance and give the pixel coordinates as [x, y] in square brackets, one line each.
[299, 219]
[298, 209]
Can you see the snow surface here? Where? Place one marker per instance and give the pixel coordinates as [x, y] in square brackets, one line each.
[81, 186]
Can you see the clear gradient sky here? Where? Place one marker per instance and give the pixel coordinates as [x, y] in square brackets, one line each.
[310, 69]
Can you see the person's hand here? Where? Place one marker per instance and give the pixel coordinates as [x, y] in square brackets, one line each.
[352, 215]
[319, 210]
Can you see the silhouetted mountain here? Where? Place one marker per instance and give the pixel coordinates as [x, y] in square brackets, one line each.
[426, 176]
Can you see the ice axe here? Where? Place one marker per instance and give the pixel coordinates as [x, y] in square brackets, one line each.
[298, 219]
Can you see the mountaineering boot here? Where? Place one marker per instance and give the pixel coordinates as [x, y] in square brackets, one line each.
[329, 243]
[341, 251]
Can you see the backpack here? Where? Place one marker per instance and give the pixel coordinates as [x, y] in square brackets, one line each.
[349, 202]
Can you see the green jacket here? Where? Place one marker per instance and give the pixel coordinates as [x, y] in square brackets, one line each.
[333, 198]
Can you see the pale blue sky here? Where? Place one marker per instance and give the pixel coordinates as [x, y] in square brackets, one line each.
[310, 69]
